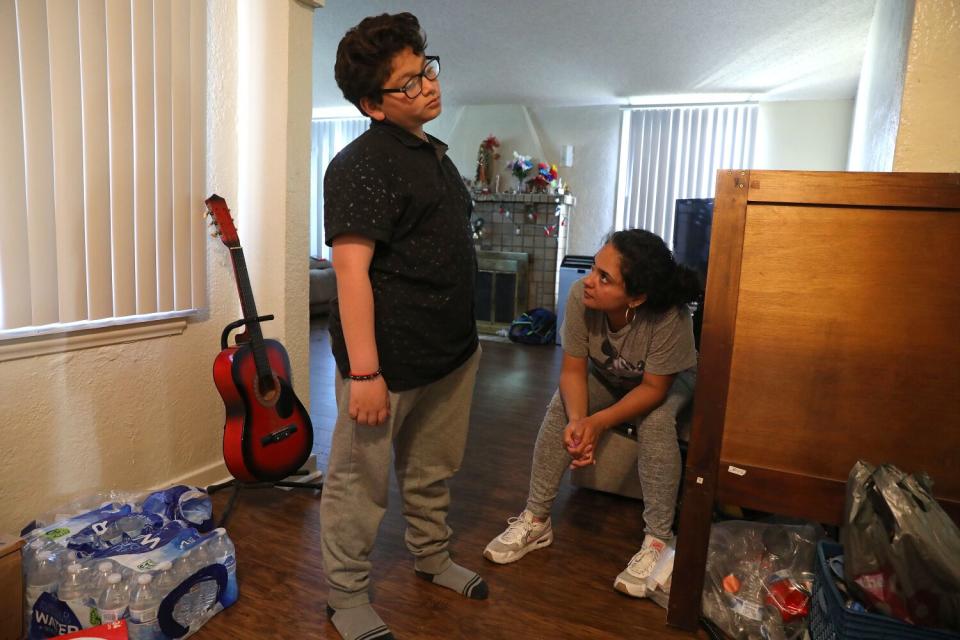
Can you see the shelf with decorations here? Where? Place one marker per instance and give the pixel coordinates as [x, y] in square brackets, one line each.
[513, 225]
[566, 199]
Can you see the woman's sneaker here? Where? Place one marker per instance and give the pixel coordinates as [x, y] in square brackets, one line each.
[633, 580]
[522, 536]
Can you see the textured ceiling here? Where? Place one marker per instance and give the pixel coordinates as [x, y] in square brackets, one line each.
[586, 52]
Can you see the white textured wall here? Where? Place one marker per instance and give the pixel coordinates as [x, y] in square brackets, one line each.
[272, 207]
[472, 124]
[594, 133]
[296, 214]
[929, 135]
[803, 135]
[877, 112]
[145, 414]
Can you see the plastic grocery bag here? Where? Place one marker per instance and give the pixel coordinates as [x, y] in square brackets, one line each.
[759, 578]
[901, 550]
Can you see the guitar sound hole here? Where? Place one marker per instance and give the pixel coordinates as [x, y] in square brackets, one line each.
[268, 391]
[285, 403]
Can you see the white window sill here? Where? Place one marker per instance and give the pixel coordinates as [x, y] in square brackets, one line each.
[58, 338]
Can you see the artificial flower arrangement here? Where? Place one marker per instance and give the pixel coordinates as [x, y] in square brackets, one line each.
[520, 166]
[545, 178]
[486, 155]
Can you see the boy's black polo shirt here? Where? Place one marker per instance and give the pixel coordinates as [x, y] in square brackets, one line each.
[407, 195]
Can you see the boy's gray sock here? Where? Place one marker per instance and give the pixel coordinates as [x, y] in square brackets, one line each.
[359, 623]
[459, 579]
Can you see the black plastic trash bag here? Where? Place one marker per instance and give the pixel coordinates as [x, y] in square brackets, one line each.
[901, 550]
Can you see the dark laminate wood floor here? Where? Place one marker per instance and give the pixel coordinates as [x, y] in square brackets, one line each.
[564, 591]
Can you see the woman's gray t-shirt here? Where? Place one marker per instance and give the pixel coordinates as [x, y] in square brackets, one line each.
[661, 343]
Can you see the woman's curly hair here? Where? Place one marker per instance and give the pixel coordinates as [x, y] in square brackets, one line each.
[648, 267]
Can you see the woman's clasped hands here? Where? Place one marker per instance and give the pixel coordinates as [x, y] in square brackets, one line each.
[580, 439]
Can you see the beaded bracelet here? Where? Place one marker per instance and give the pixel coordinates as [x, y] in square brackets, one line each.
[365, 376]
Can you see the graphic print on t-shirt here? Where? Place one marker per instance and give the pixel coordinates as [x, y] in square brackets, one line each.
[616, 370]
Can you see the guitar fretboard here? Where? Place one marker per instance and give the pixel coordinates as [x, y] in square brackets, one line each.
[250, 315]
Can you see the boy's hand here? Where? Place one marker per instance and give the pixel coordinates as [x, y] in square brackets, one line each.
[369, 401]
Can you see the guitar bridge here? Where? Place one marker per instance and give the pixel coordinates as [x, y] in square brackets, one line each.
[279, 435]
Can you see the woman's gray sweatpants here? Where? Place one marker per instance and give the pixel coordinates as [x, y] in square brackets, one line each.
[658, 453]
[425, 434]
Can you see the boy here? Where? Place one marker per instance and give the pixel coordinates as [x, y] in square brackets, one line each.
[402, 328]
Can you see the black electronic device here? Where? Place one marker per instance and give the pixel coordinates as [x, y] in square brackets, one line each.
[693, 218]
[691, 233]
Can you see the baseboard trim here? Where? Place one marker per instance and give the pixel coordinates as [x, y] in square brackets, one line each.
[217, 473]
[203, 477]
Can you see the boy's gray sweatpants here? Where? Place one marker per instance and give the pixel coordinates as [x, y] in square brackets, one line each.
[426, 433]
[658, 453]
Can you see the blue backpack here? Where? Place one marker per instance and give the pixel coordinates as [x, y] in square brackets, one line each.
[537, 326]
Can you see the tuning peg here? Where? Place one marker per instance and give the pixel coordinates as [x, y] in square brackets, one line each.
[215, 234]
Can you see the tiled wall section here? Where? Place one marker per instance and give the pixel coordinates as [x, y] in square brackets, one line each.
[535, 224]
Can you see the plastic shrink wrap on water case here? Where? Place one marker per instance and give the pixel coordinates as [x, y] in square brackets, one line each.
[153, 561]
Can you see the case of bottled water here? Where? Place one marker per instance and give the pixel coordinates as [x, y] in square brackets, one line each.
[154, 562]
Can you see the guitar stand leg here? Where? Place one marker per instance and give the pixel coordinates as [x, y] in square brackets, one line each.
[237, 486]
[213, 488]
[231, 501]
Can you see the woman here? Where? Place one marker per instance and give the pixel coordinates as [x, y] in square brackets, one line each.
[629, 356]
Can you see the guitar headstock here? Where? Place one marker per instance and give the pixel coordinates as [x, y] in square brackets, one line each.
[222, 221]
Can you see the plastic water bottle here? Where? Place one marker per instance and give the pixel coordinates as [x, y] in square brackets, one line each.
[110, 535]
[144, 603]
[204, 594]
[133, 525]
[202, 556]
[224, 552]
[72, 586]
[184, 566]
[102, 571]
[42, 576]
[75, 591]
[165, 579]
[112, 603]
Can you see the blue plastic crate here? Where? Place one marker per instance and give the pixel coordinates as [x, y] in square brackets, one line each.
[830, 620]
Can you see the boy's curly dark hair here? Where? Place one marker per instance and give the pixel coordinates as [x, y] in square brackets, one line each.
[366, 51]
[648, 266]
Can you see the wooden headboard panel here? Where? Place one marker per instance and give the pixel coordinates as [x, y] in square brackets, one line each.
[831, 334]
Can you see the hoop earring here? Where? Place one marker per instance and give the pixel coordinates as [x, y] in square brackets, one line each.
[629, 318]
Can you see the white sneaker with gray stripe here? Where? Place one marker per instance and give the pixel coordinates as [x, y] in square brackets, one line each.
[633, 580]
[522, 535]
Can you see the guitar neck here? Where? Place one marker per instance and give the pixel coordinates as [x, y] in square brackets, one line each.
[250, 313]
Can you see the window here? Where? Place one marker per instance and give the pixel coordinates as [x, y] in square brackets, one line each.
[102, 170]
[674, 152]
[330, 135]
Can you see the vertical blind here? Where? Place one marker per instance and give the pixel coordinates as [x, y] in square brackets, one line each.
[102, 168]
[675, 152]
[330, 135]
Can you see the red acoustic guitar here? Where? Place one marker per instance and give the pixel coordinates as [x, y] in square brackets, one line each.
[267, 435]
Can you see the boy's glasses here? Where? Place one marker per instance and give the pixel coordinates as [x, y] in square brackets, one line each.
[414, 86]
